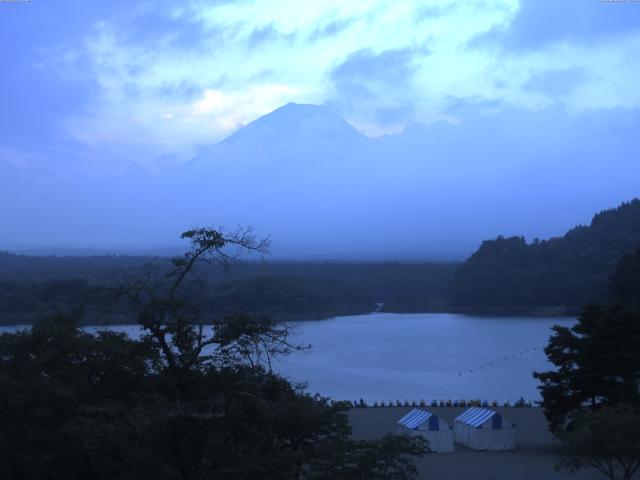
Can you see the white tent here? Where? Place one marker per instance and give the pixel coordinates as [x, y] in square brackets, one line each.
[429, 426]
[483, 429]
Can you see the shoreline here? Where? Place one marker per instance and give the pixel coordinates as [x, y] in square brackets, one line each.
[26, 319]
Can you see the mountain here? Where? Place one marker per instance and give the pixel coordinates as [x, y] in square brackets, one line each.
[293, 122]
[287, 136]
[320, 190]
[568, 271]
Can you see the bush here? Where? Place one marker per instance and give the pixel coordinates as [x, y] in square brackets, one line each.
[145, 421]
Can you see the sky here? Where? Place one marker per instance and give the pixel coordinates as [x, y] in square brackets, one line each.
[103, 89]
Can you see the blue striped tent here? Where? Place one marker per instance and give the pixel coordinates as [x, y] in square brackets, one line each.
[484, 429]
[425, 424]
[476, 417]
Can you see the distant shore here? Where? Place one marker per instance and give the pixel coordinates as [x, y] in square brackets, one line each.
[14, 319]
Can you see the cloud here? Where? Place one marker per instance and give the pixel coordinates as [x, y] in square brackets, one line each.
[123, 79]
[331, 28]
[376, 87]
[540, 22]
[228, 111]
[557, 83]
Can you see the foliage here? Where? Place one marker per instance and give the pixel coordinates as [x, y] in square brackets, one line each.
[184, 402]
[32, 287]
[387, 458]
[592, 398]
[607, 439]
[568, 271]
[598, 359]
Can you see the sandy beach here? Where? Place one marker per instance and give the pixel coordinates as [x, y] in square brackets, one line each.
[534, 459]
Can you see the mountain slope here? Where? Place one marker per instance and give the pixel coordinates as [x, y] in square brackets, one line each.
[293, 120]
[568, 271]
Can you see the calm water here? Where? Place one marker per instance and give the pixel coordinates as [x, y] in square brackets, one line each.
[386, 356]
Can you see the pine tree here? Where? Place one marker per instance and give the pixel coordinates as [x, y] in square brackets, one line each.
[597, 360]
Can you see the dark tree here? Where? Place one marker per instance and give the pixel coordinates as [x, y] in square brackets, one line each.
[607, 439]
[597, 360]
[172, 323]
[595, 388]
[568, 271]
[185, 402]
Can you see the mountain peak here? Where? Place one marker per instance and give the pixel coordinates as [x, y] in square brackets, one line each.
[294, 122]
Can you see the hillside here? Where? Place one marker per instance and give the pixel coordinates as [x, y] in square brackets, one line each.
[567, 271]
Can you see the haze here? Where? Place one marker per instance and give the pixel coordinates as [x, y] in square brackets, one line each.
[361, 130]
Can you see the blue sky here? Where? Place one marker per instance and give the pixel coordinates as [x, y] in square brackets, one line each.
[148, 82]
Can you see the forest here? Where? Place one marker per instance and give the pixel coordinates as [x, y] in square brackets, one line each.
[567, 272]
[32, 286]
[505, 275]
[182, 402]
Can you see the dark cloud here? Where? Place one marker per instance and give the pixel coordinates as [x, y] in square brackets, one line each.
[268, 33]
[365, 76]
[388, 67]
[464, 106]
[557, 83]
[541, 22]
[330, 29]
[434, 11]
[158, 28]
[36, 99]
[184, 91]
[263, 34]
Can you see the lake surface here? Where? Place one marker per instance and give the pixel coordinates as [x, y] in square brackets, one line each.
[388, 356]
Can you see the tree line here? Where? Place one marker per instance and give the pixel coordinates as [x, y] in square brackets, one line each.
[33, 286]
[504, 275]
[568, 271]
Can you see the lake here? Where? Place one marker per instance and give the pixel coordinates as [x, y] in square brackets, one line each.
[389, 356]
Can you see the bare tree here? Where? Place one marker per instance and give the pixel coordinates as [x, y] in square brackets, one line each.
[174, 325]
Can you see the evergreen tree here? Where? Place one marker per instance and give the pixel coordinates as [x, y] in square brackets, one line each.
[597, 360]
[592, 399]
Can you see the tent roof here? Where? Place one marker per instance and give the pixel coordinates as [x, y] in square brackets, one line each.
[475, 416]
[415, 418]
